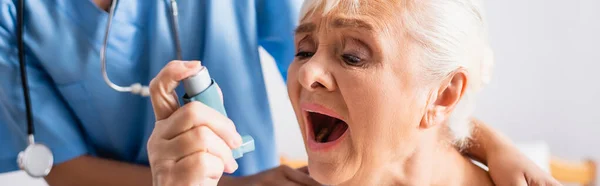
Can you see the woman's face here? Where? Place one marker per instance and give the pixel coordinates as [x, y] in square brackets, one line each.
[357, 94]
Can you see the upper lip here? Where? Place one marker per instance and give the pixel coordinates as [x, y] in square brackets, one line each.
[316, 108]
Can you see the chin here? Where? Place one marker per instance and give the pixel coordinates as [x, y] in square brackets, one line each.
[330, 173]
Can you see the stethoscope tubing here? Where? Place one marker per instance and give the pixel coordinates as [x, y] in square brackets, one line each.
[136, 88]
[33, 149]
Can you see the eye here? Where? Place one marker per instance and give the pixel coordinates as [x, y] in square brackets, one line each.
[352, 60]
[304, 55]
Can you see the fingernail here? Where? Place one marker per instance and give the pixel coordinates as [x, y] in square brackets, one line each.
[231, 167]
[239, 140]
[191, 64]
[235, 166]
[235, 143]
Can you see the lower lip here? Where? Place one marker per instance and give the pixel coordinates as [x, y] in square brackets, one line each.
[316, 146]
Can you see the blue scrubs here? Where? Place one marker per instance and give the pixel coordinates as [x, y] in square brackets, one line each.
[76, 113]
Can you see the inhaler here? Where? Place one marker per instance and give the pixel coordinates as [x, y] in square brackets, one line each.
[201, 87]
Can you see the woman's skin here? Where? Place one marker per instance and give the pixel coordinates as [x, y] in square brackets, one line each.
[364, 71]
[168, 155]
[88, 170]
[103, 4]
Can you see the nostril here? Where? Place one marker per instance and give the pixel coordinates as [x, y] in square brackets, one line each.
[316, 85]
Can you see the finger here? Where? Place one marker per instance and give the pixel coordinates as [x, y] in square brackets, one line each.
[196, 114]
[516, 178]
[283, 181]
[201, 139]
[541, 180]
[209, 182]
[164, 84]
[303, 170]
[220, 93]
[288, 183]
[199, 167]
[520, 182]
[553, 183]
[297, 176]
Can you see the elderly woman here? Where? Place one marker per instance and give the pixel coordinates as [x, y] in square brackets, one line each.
[382, 91]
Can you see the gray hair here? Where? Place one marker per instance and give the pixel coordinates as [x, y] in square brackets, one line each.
[452, 34]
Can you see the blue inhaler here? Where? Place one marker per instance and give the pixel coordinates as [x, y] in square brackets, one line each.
[201, 87]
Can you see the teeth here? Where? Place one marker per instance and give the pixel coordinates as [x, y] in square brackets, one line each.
[311, 111]
[322, 133]
[315, 112]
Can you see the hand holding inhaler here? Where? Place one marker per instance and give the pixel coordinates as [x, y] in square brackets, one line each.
[202, 88]
[196, 143]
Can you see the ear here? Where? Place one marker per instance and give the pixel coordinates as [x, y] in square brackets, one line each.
[442, 103]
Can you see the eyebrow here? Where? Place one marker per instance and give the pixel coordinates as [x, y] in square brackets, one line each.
[336, 23]
[306, 28]
[351, 22]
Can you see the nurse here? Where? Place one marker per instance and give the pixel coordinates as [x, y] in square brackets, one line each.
[99, 136]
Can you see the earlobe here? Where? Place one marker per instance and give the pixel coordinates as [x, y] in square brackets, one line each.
[429, 118]
[432, 117]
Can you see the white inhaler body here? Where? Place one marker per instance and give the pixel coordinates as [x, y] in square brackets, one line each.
[201, 87]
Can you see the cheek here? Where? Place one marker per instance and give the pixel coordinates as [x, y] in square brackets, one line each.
[292, 75]
[294, 87]
[383, 108]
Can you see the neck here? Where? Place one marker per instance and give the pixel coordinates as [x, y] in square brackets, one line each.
[433, 162]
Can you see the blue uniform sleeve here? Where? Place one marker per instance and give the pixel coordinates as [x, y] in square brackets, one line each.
[277, 20]
[55, 124]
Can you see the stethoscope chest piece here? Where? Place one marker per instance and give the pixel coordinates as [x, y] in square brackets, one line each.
[36, 160]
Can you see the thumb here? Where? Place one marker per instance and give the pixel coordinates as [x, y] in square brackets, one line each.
[162, 87]
[303, 170]
[516, 179]
[220, 93]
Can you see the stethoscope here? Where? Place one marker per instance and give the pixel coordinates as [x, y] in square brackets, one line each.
[37, 159]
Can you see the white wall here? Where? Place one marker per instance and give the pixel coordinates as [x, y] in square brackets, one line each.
[545, 85]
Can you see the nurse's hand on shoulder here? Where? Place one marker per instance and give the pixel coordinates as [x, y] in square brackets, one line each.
[192, 145]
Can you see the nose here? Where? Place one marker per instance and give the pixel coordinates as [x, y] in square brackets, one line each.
[314, 75]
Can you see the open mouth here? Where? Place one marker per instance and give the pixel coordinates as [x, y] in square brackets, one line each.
[325, 128]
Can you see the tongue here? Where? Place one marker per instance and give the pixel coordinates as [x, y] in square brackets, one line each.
[338, 129]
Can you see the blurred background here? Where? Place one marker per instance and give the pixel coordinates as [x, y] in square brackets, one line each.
[543, 94]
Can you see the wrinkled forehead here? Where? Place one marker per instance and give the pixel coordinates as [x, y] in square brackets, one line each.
[374, 15]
